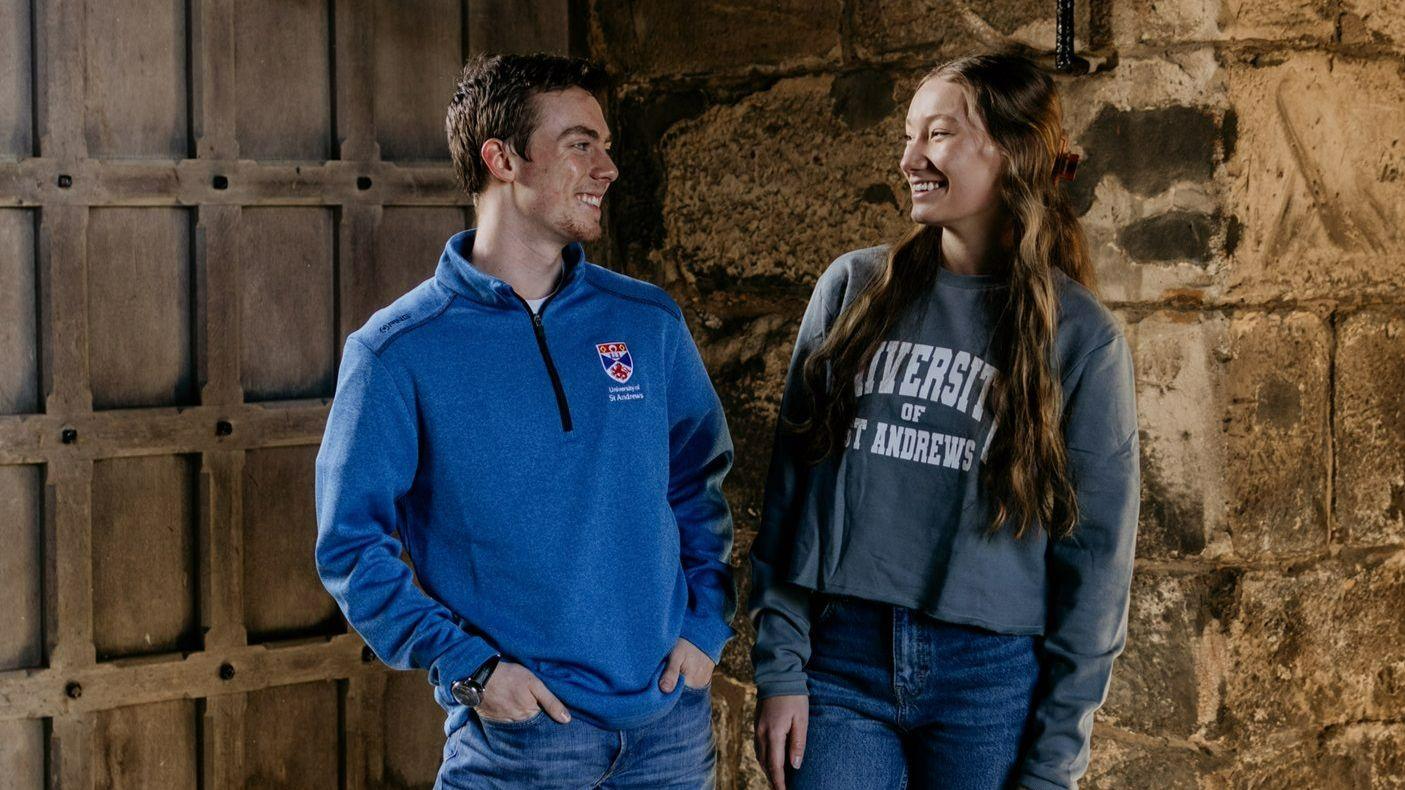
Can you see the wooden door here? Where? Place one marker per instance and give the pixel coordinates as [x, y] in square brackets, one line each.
[199, 199]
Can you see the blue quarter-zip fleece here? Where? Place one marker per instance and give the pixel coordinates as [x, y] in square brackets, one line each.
[556, 483]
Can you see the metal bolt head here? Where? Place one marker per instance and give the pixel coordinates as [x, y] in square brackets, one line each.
[221, 182]
[363, 183]
[226, 671]
[367, 654]
[69, 435]
[224, 428]
[74, 690]
[65, 181]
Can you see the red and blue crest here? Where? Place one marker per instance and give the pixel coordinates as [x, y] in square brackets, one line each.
[615, 358]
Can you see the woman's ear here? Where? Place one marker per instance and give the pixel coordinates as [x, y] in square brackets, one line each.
[497, 157]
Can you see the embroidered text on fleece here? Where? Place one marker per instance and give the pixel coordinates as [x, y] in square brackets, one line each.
[554, 478]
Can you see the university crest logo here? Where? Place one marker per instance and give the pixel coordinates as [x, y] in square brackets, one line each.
[615, 359]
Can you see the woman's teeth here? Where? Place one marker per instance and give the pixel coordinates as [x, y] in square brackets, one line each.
[927, 186]
[591, 200]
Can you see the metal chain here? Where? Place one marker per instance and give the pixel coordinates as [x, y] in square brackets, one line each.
[1063, 35]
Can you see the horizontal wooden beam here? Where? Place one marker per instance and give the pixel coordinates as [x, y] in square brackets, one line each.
[44, 693]
[39, 438]
[46, 182]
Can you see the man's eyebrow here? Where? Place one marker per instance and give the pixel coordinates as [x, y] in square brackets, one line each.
[585, 130]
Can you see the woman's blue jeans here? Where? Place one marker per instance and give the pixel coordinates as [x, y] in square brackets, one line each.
[898, 699]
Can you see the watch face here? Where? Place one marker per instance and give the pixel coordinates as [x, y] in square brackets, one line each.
[467, 693]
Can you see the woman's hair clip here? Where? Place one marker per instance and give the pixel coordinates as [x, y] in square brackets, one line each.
[1065, 166]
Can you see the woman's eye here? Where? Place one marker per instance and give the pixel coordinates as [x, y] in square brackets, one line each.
[937, 132]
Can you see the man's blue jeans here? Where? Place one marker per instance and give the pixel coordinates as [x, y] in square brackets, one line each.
[676, 752]
[898, 699]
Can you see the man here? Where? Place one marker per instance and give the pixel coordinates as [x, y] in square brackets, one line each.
[542, 436]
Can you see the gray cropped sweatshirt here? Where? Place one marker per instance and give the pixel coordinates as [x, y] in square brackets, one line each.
[899, 516]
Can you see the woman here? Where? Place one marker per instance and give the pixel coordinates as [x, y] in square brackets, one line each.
[941, 577]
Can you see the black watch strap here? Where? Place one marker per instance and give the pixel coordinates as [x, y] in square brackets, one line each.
[485, 670]
[469, 691]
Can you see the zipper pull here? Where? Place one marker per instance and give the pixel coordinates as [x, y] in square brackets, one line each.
[537, 320]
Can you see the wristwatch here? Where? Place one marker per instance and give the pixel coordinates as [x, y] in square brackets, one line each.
[469, 691]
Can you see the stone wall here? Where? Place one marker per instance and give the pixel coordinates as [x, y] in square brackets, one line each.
[1243, 191]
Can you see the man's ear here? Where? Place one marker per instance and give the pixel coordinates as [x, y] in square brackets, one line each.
[498, 158]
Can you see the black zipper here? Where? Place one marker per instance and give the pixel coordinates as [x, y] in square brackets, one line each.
[540, 331]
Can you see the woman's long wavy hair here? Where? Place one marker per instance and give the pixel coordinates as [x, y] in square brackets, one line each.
[1025, 472]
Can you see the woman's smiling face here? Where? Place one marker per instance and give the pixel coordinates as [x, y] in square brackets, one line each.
[949, 161]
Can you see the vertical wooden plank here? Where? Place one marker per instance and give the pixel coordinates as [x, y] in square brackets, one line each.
[356, 238]
[19, 300]
[413, 731]
[217, 304]
[287, 321]
[284, 87]
[63, 347]
[21, 585]
[409, 241]
[213, 92]
[144, 559]
[511, 26]
[139, 307]
[16, 75]
[283, 596]
[356, 123]
[68, 563]
[221, 549]
[71, 751]
[290, 737]
[222, 742]
[363, 705]
[153, 745]
[417, 43]
[22, 753]
[59, 59]
[136, 79]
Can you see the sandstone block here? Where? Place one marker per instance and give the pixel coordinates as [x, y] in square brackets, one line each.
[1167, 682]
[1368, 756]
[1318, 648]
[938, 29]
[1379, 21]
[1233, 415]
[1143, 22]
[774, 187]
[1370, 428]
[1116, 764]
[1318, 180]
[1153, 134]
[1276, 427]
[679, 37]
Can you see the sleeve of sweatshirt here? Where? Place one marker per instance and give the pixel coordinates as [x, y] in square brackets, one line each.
[700, 455]
[367, 462]
[1090, 573]
[779, 609]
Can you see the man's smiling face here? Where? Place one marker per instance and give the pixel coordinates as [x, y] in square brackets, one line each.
[563, 183]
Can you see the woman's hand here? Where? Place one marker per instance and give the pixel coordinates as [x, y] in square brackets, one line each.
[781, 723]
[513, 693]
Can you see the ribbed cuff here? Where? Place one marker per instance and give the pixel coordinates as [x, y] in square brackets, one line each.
[1032, 782]
[459, 662]
[709, 636]
[783, 685]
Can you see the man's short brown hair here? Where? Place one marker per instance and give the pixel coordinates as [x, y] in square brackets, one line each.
[493, 100]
